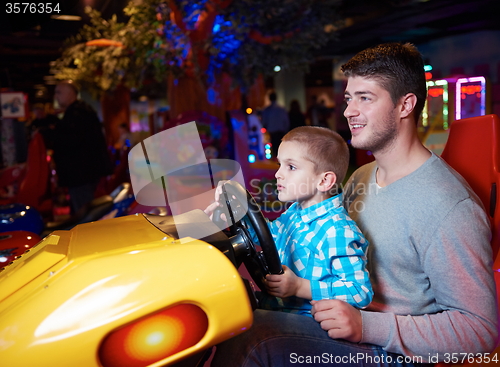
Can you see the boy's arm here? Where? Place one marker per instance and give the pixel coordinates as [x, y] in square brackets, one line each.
[345, 276]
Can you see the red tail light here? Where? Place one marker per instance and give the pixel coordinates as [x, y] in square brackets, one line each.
[154, 337]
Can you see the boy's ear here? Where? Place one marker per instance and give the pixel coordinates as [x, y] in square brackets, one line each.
[328, 180]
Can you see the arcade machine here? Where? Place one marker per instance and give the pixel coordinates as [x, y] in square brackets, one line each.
[470, 97]
[253, 152]
[435, 120]
[258, 141]
[213, 136]
[448, 100]
[248, 150]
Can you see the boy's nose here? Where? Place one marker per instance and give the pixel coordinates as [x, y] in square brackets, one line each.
[278, 173]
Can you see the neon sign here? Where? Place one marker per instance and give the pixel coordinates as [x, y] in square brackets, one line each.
[436, 105]
[470, 97]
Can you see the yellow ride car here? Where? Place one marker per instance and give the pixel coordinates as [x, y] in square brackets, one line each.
[128, 292]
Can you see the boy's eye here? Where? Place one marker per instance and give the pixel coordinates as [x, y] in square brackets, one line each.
[292, 168]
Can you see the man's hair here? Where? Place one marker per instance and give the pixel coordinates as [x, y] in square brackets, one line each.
[397, 67]
[326, 149]
[272, 96]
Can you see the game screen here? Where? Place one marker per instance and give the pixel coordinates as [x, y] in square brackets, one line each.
[470, 97]
[435, 114]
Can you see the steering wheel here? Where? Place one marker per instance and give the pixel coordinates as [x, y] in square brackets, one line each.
[258, 263]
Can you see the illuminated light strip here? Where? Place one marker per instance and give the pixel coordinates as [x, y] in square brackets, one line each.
[154, 337]
[425, 114]
[458, 95]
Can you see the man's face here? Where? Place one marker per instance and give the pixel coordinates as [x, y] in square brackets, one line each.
[64, 95]
[371, 115]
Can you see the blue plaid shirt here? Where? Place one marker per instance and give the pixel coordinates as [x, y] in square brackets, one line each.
[323, 244]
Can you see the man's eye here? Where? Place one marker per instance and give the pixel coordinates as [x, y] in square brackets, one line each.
[292, 168]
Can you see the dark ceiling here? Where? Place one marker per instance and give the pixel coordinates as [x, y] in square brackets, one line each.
[26, 50]
[371, 22]
[416, 21]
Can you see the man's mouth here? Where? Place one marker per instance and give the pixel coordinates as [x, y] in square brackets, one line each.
[279, 187]
[356, 126]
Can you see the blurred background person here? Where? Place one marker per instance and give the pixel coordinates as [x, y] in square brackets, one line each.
[124, 137]
[79, 145]
[295, 115]
[275, 120]
[318, 113]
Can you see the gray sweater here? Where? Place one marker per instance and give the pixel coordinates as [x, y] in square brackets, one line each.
[430, 262]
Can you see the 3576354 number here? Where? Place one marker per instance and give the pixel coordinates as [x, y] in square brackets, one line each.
[471, 358]
[32, 8]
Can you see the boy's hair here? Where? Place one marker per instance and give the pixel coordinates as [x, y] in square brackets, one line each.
[397, 67]
[326, 149]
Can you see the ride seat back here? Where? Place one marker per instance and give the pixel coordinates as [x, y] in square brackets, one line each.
[35, 184]
[473, 150]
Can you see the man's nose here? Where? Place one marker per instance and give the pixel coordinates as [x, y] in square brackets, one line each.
[351, 110]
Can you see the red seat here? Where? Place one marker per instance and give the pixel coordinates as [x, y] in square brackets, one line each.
[473, 150]
[12, 175]
[34, 189]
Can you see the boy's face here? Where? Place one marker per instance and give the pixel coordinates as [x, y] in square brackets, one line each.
[296, 177]
[371, 115]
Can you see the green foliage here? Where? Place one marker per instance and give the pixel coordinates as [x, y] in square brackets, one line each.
[295, 28]
[100, 69]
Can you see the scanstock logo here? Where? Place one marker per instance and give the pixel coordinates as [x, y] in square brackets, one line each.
[170, 168]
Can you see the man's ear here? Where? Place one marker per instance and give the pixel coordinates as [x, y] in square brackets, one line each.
[328, 181]
[408, 103]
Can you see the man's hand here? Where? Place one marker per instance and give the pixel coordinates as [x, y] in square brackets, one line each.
[340, 319]
[288, 284]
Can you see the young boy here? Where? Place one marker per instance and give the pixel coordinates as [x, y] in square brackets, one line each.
[321, 249]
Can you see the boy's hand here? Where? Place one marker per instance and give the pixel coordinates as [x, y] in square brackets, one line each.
[288, 284]
[218, 189]
[209, 210]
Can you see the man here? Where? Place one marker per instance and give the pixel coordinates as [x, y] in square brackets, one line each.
[275, 120]
[430, 257]
[80, 150]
